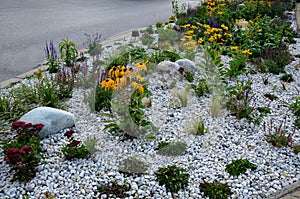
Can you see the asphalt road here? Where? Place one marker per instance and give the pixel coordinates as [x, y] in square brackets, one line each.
[25, 25]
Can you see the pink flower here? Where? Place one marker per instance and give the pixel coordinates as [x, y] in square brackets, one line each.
[28, 125]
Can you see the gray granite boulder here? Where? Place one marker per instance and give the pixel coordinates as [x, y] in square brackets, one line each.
[53, 119]
[167, 66]
[187, 65]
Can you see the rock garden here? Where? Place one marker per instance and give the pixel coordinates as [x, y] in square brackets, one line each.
[205, 105]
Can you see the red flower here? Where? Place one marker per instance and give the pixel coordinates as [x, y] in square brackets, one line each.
[74, 143]
[27, 149]
[17, 124]
[14, 155]
[39, 126]
[28, 125]
[181, 70]
[69, 133]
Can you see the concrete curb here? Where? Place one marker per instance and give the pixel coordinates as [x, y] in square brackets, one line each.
[286, 191]
[43, 66]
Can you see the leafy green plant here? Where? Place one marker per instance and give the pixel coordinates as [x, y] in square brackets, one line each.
[287, 77]
[271, 96]
[297, 122]
[74, 149]
[171, 148]
[115, 189]
[201, 88]
[47, 93]
[147, 38]
[239, 98]
[239, 166]
[133, 165]
[68, 52]
[275, 60]
[296, 149]
[237, 66]
[167, 35]
[296, 107]
[189, 76]
[135, 33]
[277, 135]
[23, 154]
[215, 190]
[102, 99]
[173, 177]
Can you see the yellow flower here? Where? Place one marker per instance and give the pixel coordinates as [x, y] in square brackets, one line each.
[200, 41]
[199, 24]
[269, 4]
[194, 27]
[108, 83]
[137, 86]
[139, 78]
[189, 37]
[224, 27]
[189, 32]
[121, 81]
[114, 72]
[259, 30]
[129, 72]
[220, 13]
[247, 52]
[228, 34]
[211, 39]
[234, 47]
[141, 66]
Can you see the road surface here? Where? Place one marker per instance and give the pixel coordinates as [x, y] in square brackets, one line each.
[27, 24]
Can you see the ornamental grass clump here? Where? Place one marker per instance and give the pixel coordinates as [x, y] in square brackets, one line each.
[24, 153]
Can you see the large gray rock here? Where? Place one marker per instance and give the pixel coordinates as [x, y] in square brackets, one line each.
[167, 66]
[53, 119]
[187, 65]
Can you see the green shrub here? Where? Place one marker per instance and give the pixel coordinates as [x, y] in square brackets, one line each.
[173, 177]
[201, 88]
[239, 166]
[215, 190]
[68, 52]
[296, 107]
[287, 77]
[114, 189]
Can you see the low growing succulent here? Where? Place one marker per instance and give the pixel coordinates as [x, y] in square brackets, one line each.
[115, 189]
[173, 177]
[239, 166]
[215, 190]
[133, 166]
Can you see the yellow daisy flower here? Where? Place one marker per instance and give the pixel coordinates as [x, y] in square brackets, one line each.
[108, 83]
[141, 66]
[234, 47]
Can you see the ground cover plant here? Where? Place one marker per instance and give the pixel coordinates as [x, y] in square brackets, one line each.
[233, 42]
